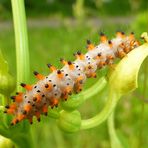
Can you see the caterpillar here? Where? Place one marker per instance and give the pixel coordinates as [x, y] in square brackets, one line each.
[61, 83]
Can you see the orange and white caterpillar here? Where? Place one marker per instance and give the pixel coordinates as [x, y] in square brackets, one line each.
[61, 83]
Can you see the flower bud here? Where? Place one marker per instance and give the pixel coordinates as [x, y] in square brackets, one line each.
[7, 84]
[70, 121]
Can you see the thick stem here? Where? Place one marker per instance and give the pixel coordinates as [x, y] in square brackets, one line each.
[21, 41]
[22, 62]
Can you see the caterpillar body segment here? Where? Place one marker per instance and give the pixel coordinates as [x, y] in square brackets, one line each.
[61, 83]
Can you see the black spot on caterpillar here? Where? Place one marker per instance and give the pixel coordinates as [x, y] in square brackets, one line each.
[60, 83]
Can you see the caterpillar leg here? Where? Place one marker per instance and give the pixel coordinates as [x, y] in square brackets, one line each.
[45, 110]
[54, 103]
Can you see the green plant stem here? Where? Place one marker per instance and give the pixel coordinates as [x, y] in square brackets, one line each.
[22, 61]
[75, 101]
[104, 114]
[21, 41]
[115, 143]
[143, 105]
[97, 87]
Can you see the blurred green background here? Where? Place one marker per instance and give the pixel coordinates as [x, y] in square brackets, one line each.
[58, 28]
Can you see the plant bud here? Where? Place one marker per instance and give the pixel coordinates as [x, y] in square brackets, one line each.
[7, 84]
[70, 121]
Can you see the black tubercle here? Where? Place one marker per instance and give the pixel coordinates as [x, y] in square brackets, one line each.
[61, 59]
[35, 73]
[88, 42]
[23, 84]
[58, 71]
[7, 106]
[24, 112]
[109, 42]
[46, 85]
[39, 119]
[17, 121]
[12, 97]
[35, 86]
[66, 74]
[79, 52]
[11, 124]
[101, 34]
[49, 65]
[122, 33]
[99, 54]
[34, 98]
[5, 111]
[69, 62]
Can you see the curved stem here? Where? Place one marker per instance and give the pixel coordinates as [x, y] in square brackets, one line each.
[21, 41]
[115, 143]
[97, 87]
[104, 114]
[75, 101]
